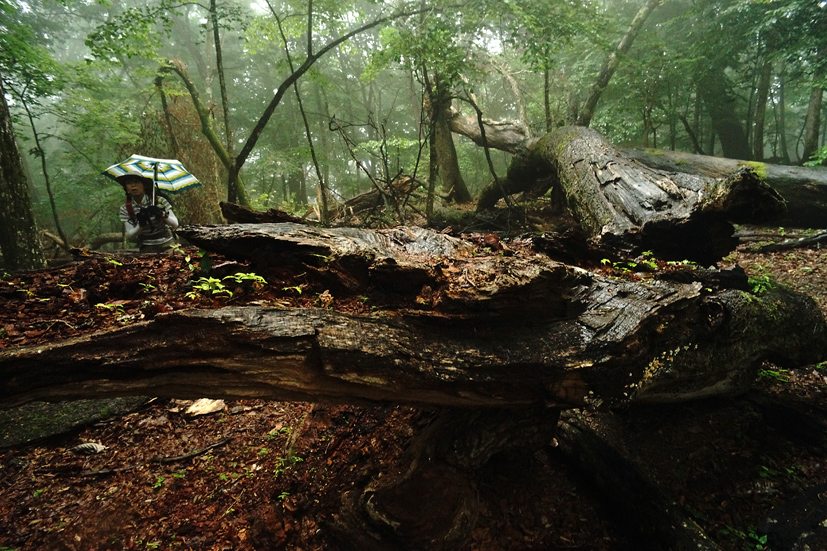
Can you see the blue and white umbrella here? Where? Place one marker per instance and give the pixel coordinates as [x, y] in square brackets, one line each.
[168, 174]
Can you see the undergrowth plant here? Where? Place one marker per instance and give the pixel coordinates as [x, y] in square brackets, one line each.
[760, 284]
[217, 286]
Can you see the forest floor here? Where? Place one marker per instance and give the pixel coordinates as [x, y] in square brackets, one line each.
[256, 475]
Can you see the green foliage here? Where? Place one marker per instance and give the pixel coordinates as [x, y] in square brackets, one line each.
[541, 29]
[819, 158]
[216, 286]
[759, 541]
[250, 278]
[761, 283]
[133, 33]
[775, 375]
[208, 285]
[285, 463]
[436, 44]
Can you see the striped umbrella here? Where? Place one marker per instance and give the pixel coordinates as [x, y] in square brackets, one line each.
[169, 174]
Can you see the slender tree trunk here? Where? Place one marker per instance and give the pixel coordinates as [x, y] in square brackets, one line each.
[19, 241]
[323, 210]
[42, 154]
[547, 99]
[697, 110]
[812, 123]
[448, 163]
[761, 111]
[782, 120]
[322, 107]
[609, 68]
[159, 85]
[219, 63]
[433, 172]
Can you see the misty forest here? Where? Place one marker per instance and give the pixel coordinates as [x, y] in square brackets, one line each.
[514, 275]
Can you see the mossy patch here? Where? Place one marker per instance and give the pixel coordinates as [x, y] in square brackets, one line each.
[760, 169]
[39, 420]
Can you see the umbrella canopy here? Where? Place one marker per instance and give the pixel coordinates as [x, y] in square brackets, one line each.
[169, 174]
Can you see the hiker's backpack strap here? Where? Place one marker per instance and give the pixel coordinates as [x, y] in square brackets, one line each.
[130, 210]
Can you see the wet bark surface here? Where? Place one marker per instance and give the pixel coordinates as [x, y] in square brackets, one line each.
[381, 477]
[480, 331]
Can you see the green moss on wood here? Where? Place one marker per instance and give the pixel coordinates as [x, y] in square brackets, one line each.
[760, 169]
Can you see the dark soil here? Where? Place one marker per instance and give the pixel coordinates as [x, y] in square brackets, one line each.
[276, 472]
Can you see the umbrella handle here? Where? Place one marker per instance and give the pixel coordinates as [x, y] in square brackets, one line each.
[154, 182]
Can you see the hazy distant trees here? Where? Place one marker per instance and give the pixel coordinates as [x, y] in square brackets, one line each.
[734, 78]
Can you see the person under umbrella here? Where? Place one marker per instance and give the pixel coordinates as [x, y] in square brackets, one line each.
[147, 216]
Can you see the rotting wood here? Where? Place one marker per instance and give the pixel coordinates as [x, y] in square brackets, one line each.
[429, 500]
[489, 331]
[243, 215]
[789, 244]
[804, 189]
[629, 206]
[628, 491]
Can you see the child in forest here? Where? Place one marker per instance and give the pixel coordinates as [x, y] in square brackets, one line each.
[147, 216]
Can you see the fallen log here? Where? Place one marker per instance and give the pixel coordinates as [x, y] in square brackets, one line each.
[243, 215]
[789, 244]
[430, 499]
[509, 136]
[628, 206]
[481, 331]
[643, 507]
[804, 189]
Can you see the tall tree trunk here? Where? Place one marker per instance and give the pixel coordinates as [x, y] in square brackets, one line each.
[609, 68]
[19, 241]
[43, 166]
[761, 111]
[547, 99]
[446, 153]
[781, 128]
[720, 104]
[812, 123]
[448, 163]
[219, 64]
[433, 172]
[322, 107]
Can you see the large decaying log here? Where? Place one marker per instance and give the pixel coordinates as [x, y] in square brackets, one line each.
[243, 215]
[492, 331]
[430, 501]
[630, 492]
[510, 136]
[629, 206]
[804, 189]
[500, 343]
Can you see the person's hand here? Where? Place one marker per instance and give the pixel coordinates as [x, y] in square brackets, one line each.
[143, 217]
[154, 211]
